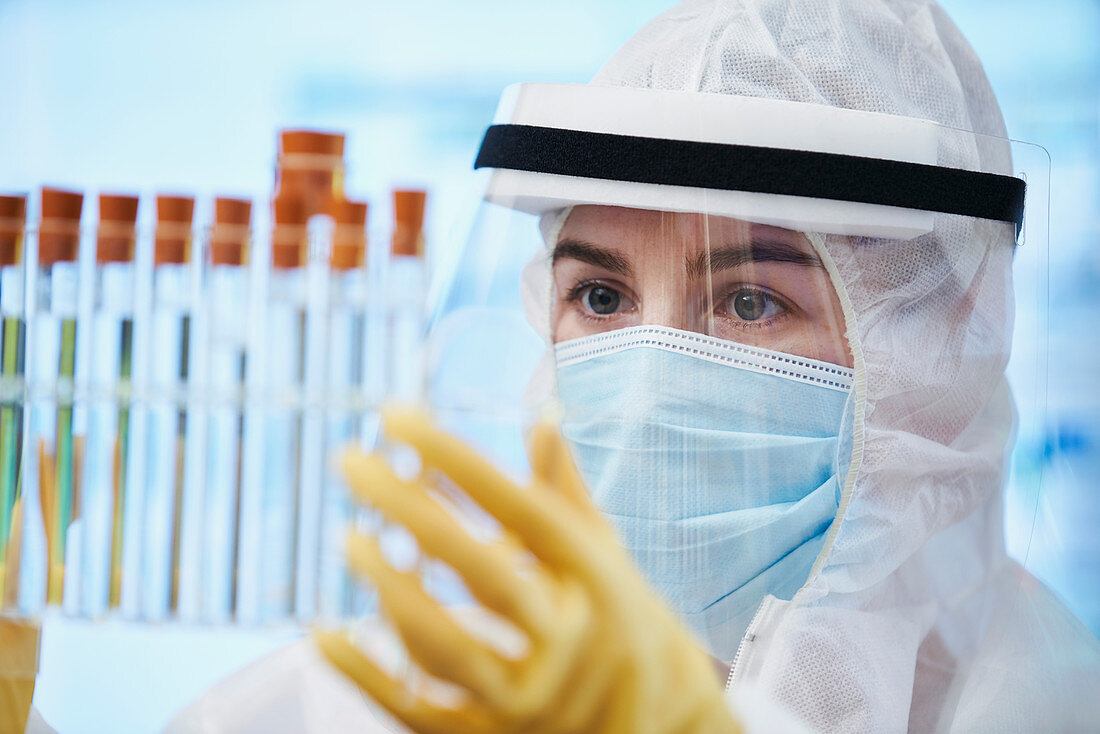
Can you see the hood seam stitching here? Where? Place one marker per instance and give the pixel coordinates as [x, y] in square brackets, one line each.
[859, 388]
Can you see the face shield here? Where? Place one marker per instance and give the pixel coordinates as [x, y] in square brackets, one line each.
[746, 314]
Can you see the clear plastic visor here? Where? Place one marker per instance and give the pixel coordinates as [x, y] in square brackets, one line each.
[712, 373]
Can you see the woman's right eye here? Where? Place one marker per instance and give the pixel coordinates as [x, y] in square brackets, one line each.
[602, 300]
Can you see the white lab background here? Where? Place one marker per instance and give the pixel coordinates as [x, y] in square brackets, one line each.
[187, 96]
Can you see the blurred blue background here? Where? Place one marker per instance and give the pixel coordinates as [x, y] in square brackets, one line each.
[187, 97]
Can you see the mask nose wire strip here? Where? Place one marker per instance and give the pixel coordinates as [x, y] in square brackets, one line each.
[753, 169]
[859, 389]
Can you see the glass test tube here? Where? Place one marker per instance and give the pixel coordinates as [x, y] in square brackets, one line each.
[187, 367]
[13, 211]
[406, 287]
[278, 493]
[108, 449]
[56, 437]
[170, 465]
[404, 337]
[213, 518]
[346, 403]
[271, 515]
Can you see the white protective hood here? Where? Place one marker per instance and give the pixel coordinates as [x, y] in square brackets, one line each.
[914, 617]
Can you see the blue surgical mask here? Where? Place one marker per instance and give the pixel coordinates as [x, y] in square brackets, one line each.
[716, 462]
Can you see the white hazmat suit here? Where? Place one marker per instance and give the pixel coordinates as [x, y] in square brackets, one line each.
[913, 618]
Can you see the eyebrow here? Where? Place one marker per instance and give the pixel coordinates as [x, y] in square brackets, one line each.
[724, 258]
[586, 252]
[761, 250]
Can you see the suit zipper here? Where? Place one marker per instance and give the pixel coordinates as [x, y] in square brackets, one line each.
[748, 639]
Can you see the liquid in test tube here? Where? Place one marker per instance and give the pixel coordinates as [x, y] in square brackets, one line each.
[348, 305]
[213, 517]
[173, 457]
[106, 479]
[13, 334]
[57, 440]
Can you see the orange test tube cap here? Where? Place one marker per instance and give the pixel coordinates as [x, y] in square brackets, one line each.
[178, 209]
[13, 218]
[118, 208]
[61, 204]
[59, 230]
[408, 219]
[172, 243]
[289, 244]
[311, 142]
[117, 220]
[229, 236]
[232, 211]
[349, 242]
[311, 168]
[13, 208]
[289, 211]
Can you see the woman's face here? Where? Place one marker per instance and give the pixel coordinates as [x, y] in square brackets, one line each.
[749, 283]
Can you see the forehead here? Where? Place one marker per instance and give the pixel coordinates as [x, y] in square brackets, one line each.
[632, 230]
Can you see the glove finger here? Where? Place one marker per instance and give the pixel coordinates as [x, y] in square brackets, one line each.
[548, 671]
[433, 638]
[550, 534]
[489, 571]
[543, 465]
[415, 713]
[553, 466]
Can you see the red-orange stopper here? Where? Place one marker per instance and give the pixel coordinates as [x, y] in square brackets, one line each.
[310, 168]
[117, 220]
[311, 142]
[408, 221]
[349, 239]
[289, 244]
[172, 243]
[13, 208]
[229, 237]
[13, 217]
[59, 229]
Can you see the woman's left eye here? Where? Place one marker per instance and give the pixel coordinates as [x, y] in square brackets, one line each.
[752, 304]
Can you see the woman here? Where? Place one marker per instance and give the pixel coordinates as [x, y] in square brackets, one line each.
[779, 328]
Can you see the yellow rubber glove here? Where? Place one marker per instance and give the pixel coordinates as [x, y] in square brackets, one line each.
[18, 665]
[603, 654]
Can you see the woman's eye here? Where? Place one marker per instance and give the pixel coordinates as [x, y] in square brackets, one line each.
[749, 304]
[601, 300]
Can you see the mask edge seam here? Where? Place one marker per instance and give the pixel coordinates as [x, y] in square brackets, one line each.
[793, 368]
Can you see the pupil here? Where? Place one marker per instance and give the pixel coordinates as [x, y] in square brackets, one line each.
[749, 306]
[603, 300]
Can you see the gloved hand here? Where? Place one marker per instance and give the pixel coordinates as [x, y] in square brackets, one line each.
[603, 654]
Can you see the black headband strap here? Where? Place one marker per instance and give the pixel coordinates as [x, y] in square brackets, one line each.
[753, 169]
